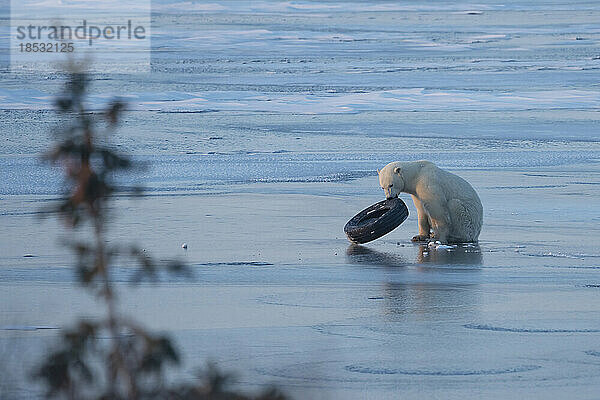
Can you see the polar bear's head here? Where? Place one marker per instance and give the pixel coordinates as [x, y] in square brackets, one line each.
[390, 179]
[399, 177]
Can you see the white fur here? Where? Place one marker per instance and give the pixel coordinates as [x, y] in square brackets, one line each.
[448, 208]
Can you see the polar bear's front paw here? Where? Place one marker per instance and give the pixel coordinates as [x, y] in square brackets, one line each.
[420, 238]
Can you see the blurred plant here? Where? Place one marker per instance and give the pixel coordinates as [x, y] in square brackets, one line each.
[112, 357]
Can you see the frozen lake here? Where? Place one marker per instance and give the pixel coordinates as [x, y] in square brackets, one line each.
[263, 124]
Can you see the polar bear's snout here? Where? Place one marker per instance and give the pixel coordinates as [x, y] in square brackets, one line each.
[390, 193]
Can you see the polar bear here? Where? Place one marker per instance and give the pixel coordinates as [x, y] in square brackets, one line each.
[448, 208]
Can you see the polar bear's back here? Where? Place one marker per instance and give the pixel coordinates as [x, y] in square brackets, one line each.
[456, 187]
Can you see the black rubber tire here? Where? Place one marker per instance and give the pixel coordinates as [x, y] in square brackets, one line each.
[378, 220]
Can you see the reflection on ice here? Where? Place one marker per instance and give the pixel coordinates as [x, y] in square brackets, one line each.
[402, 298]
[423, 301]
[357, 254]
[466, 254]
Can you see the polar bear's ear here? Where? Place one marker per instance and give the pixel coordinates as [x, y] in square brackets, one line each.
[397, 170]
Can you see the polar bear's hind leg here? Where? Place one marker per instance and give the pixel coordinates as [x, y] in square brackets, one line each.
[465, 224]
